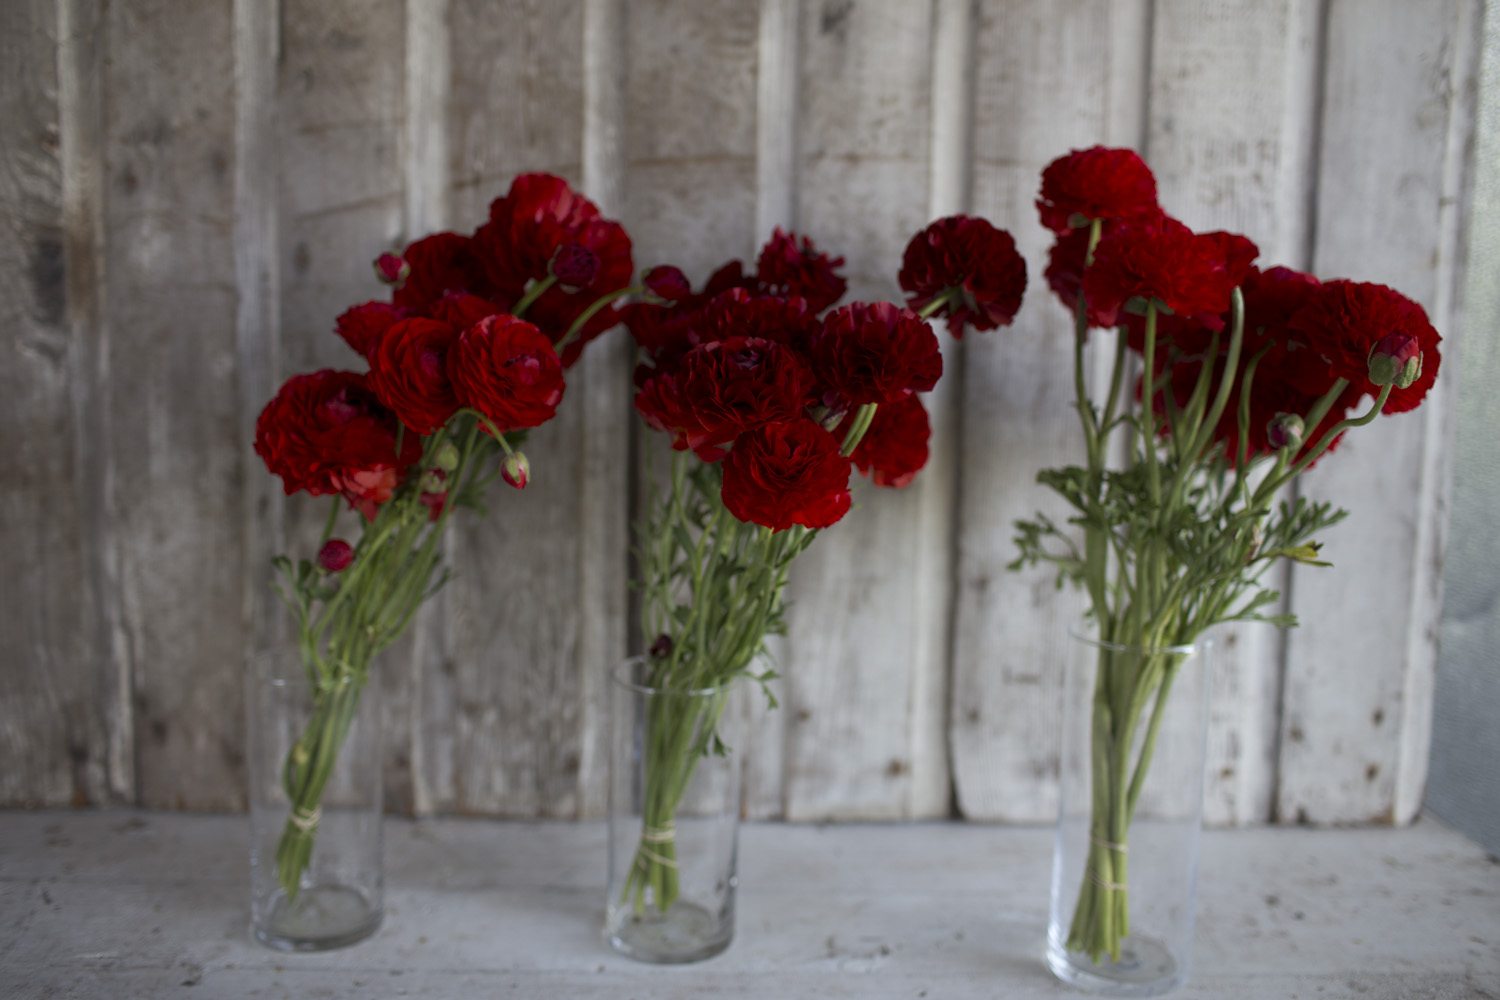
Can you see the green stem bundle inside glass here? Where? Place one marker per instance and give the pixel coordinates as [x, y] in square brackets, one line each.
[344, 620]
[1174, 539]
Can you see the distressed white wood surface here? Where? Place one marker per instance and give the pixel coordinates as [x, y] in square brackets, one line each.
[1050, 77]
[124, 905]
[865, 674]
[1359, 673]
[218, 179]
[1238, 157]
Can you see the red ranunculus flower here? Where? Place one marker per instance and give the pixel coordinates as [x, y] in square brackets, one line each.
[667, 282]
[506, 369]
[1272, 298]
[463, 310]
[737, 313]
[325, 432]
[971, 257]
[894, 449]
[539, 215]
[787, 473]
[875, 352]
[1096, 183]
[1065, 263]
[440, 263]
[724, 388]
[667, 331]
[409, 373]
[1346, 320]
[789, 266]
[362, 326]
[1191, 274]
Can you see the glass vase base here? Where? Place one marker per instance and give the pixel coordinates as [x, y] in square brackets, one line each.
[1145, 969]
[321, 918]
[685, 933]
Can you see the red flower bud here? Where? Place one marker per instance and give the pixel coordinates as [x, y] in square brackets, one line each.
[662, 647]
[575, 266]
[515, 470]
[1396, 359]
[1285, 430]
[335, 555]
[668, 282]
[392, 269]
[434, 502]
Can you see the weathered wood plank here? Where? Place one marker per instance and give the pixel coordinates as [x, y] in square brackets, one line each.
[1049, 77]
[505, 714]
[341, 115]
[176, 482]
[689, 175]
[53, 723]
[1359, 673]
[1239, 158]
[865, 675]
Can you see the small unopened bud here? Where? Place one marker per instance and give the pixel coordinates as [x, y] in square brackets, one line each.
[668, 282]
[1396, 360]
[446, 457]
[434, 502]
[662, 647]
[1285, 430]
[392, 269]
[433, 481]
[335, 555]
[575, 266]
[515, 470]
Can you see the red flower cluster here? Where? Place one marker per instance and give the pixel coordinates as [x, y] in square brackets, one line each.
[974, 267]
[449, 339]
[746, 372]
[1302, 335]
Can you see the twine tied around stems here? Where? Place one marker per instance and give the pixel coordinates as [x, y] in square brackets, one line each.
[306, 820]
[1110, 844]
[644, 854]
[659, 834]
[1105, 883]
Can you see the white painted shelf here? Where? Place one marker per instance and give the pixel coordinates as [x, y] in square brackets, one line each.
[127, 904]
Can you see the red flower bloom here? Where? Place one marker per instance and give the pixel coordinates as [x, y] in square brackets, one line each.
[362, 326]
[737, 313]
[1192, 274]
[789, 266]
[462, 310]
[1272, 298]
[335, 555]
[969, 256]
[325, 432]
[537, 217]
[440, 263]
[575, 266]
[667, 332]
[1065, 264]
[875, 353]
[787, 473]
[409, 373]
[724, 388]
[1346, 320]
[894, 449]
[1096, 183]
[506, 369]
[667, 282]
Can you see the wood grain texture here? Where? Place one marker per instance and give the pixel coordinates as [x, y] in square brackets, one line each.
[53, 721]
[865, 673]
[1359, 672]
[177, 479]
[1049, 77]
[1238, 158]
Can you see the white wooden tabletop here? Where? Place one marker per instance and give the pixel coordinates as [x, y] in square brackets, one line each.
[129, 904]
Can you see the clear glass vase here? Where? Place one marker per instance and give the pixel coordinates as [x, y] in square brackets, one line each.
[1125, 861]
[339, 896]
[674, 809]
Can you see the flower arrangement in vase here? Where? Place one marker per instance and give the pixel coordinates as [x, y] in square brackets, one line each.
[469, 353]
[1248, 375]
[770, 394]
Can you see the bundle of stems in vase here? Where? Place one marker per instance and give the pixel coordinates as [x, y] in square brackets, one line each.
[770, 397]
[468, 354]
[1248, 376]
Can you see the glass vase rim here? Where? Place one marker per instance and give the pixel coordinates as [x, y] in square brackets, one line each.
[1085, 635]
[618, 674]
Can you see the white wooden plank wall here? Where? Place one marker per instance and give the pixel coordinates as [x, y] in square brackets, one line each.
[194, 193]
